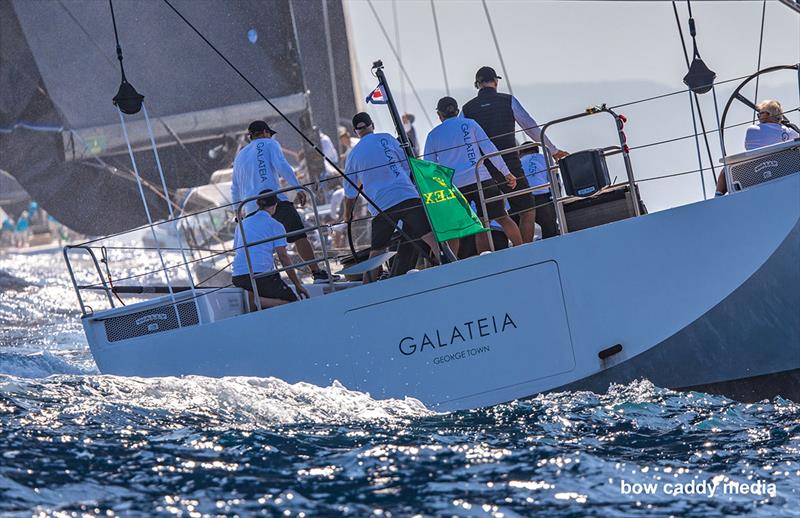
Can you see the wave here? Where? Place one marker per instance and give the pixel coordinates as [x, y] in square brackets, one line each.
[239, 402]
[40, 364]
[9, 282]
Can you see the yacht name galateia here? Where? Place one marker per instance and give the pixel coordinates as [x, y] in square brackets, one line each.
[466, 332]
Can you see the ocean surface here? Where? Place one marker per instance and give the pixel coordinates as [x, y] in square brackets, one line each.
[76, 443]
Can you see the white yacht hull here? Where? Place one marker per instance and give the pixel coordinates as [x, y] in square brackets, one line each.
[701, 296]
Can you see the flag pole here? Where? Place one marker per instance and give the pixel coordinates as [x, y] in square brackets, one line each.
[377, 68]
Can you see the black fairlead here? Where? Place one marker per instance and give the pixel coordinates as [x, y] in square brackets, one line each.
[128, 100]
[699, 79]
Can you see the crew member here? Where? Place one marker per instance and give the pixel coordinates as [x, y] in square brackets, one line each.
[496, 113]
[458, 143]
[769, 130]
[256, 168]
[261, 225]
[411, 132]
[379, 165]
[535, 168]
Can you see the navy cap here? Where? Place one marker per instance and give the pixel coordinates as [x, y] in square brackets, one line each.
[447, 106]
[486, 74]
[361, 120]
[259, 126]
[266, 198]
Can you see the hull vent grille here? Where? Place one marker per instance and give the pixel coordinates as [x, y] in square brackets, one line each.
[765, 168]
[153, 320]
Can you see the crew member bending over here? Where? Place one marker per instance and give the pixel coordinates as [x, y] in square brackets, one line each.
[379, 164]
[458, 143]
[258, 226]
[256, 168]
[497, 114]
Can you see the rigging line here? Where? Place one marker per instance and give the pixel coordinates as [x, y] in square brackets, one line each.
[402, 68]
[441, 52]
[332, 76]
[696, 97]
[292, 125]
[497, 46]
[396, 23]
[760, 47]
[677, 92]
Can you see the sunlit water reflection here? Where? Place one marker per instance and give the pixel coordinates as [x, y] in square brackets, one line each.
[72, 440]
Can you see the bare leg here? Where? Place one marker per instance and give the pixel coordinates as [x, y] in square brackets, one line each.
[373, 275]
[266, 302]
[722, 183]
[454, 244]
[306, 252]
[431, 242]
[511, 229]
[526, 225]
[482, 241]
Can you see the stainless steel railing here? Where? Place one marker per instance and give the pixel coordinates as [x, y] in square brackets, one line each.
[555, 187]
[317, 227]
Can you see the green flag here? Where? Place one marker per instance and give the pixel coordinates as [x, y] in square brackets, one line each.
[448, 210]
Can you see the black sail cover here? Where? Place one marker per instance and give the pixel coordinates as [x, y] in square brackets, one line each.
[60, 135]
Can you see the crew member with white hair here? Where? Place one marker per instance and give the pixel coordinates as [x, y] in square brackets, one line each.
[770, 129]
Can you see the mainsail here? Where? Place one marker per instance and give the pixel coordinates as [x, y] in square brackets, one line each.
[59, 132]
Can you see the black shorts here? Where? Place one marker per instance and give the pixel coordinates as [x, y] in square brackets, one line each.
[410, 212]
[521, 203]
[287, 215]
[270, 286]
[496, 209]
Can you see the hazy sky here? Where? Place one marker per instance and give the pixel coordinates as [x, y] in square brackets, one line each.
[570, 42]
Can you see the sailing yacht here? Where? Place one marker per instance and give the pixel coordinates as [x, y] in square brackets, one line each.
[544, 316]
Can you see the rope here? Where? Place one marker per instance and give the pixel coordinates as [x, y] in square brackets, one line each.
[694, 95]
[147, 213]
[289, 121]
[396, 24]
[497, 46]
[760, 46]
[400, 63]
[441, 52]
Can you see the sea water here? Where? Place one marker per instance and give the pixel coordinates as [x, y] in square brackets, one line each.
[77, 443]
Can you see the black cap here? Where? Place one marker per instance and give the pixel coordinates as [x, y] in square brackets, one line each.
[361, 120]
[486, 74]
[259, 126]
[447, 106]
[266, 198]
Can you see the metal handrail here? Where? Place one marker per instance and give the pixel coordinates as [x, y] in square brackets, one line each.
[558, 199]
[503, 196]
[106, 288]
[317, 227]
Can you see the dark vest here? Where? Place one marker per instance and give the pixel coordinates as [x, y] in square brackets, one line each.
[492, 111]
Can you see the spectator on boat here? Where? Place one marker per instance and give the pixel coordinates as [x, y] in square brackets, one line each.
[258, 226]
[408, 125]
[347, 141]
[22, 231]
[535, 168]
[379, 165]
[458, 143]
[497, 114]
[256, 168]
[7, 231]
[769, 130]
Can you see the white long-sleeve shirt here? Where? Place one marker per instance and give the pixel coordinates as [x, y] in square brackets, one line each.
[256, 168]
[529, 125]
[379, 164]
[458, 143]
